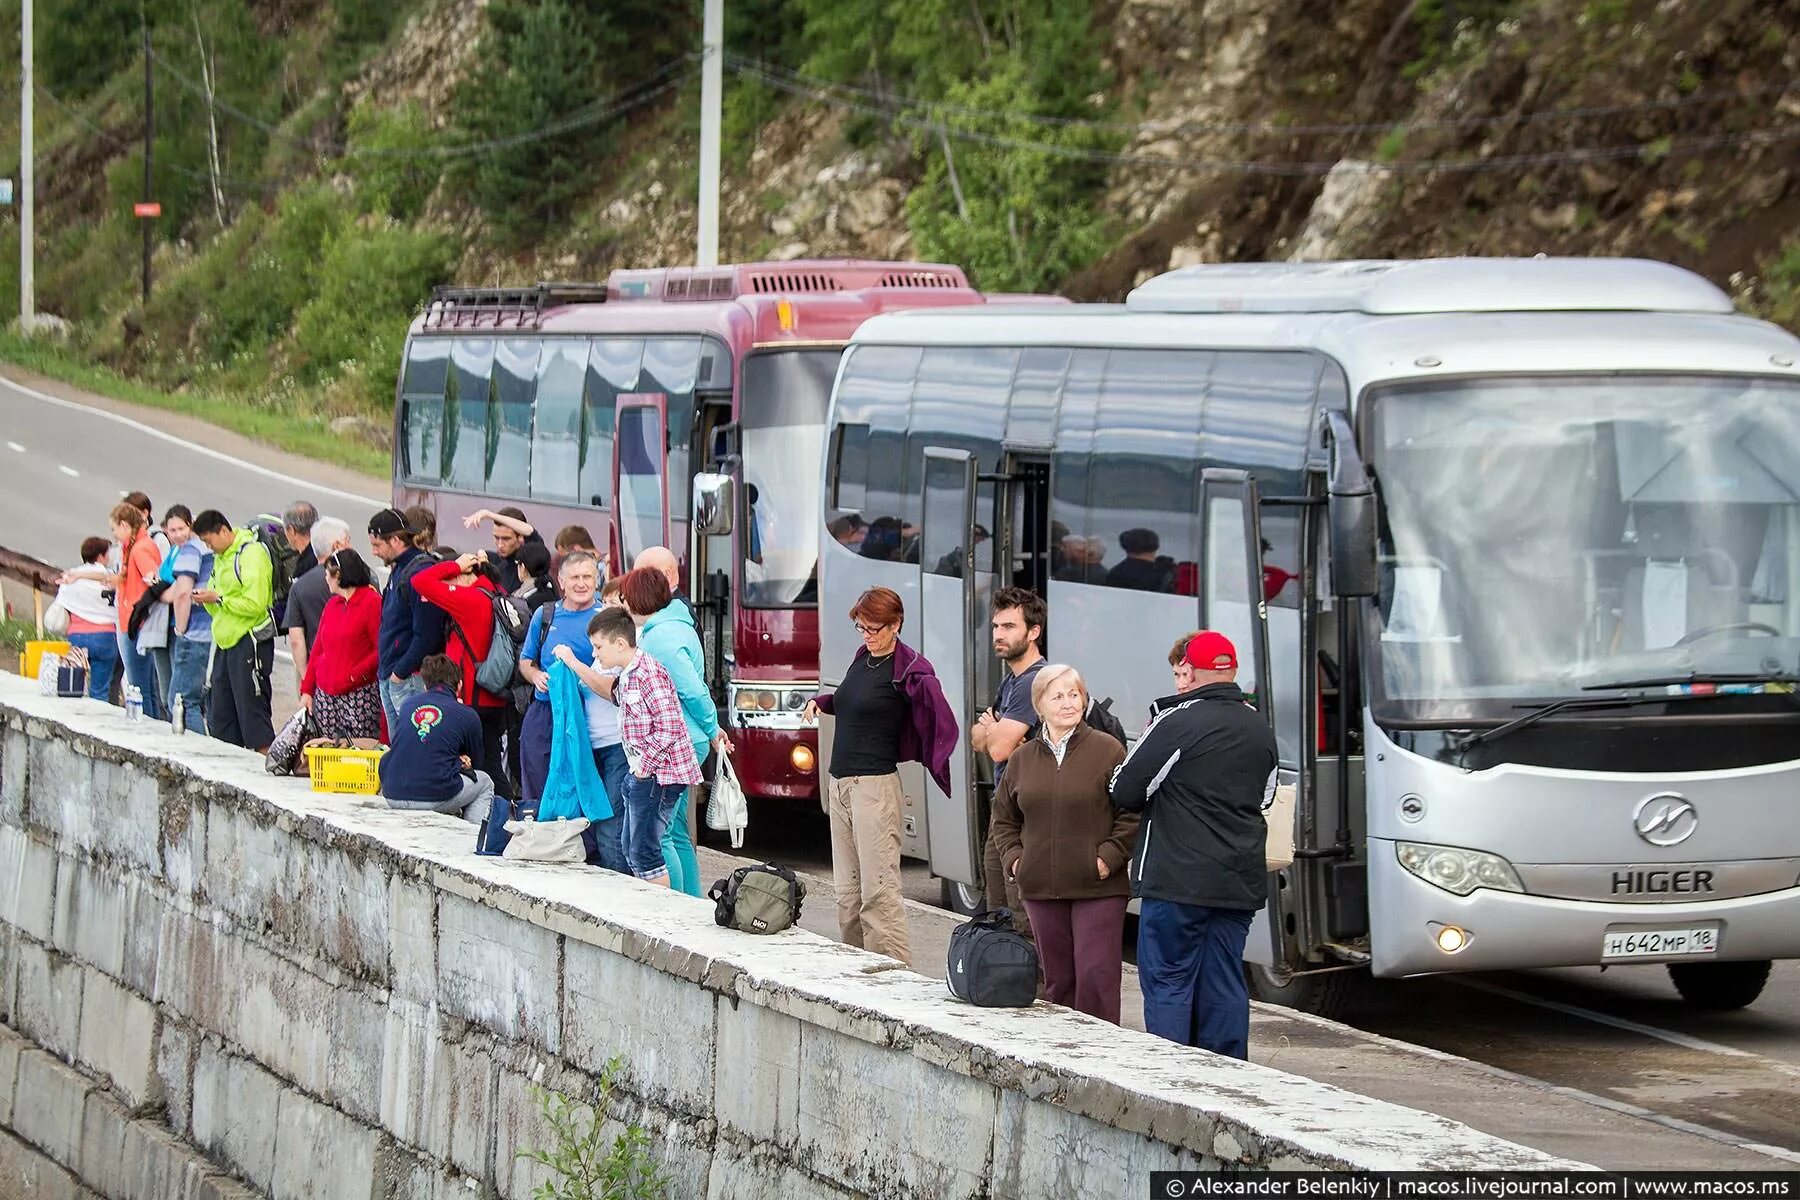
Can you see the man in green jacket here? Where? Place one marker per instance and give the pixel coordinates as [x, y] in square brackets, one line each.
[239, 600]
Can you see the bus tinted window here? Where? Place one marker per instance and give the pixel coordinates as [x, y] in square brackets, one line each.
[510, 393]
[1141, 493]
[640, 509]
[1078, 558]
[556, 438]
[959, 402]
[612, 369]
[466, 413]
[672, 367]
[422, 409]
[873, 400]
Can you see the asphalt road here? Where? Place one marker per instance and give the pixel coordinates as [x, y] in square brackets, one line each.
[1617, 1042]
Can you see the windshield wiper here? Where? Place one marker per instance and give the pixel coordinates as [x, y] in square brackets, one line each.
[1695, 677]
[1566, 704]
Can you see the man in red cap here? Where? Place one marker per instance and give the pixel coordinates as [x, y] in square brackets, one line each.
[1201, 775]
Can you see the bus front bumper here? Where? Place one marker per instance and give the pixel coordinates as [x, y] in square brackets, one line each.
[765, 760]
[1510, 931]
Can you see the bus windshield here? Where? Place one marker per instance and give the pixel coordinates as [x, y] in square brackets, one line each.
[782, 419]
[1544, 535]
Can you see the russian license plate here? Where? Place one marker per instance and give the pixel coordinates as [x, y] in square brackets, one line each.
[1659, 943]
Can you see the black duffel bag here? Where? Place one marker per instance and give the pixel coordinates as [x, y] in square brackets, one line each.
[990, 965]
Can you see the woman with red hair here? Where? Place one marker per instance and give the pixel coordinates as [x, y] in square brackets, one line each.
[890, 709]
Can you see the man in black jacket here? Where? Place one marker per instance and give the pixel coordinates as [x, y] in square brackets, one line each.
[1201, 775]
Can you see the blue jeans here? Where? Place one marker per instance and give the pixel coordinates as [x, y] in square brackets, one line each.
[103, 659]
[393, 695]
[606, 839]
[648, 807]
[139, 670]
[187, 679]
[1191, 967]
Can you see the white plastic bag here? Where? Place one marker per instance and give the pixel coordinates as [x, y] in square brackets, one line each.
[547, 841]
[1278, 850]
[727, 808]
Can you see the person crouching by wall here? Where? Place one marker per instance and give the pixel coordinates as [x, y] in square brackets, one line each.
[434, 762]
[1063, 842]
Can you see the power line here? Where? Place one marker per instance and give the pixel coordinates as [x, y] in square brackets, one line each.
[257, 189]
[898, 102]
[657, 84]
[1664, 148]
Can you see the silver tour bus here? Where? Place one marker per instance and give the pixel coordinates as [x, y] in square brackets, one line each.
[1510, 548]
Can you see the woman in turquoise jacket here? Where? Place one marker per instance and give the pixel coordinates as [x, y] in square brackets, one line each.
[666, 633]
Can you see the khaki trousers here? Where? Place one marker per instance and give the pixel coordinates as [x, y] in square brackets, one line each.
[865, 863]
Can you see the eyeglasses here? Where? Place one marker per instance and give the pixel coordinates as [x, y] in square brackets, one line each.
[869, 630]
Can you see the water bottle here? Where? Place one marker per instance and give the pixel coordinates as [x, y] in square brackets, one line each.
[134, 703]
[178, 716]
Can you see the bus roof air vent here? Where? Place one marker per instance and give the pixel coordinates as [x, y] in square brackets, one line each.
[1436, 285]
[923, 279]
[763, 282]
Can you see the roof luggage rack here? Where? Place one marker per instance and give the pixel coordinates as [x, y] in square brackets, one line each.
[504, 307]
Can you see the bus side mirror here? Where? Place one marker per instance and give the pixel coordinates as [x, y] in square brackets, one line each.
[714, 502]
[1350, 507]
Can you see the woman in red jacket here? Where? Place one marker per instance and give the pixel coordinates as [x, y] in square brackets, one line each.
[461, 588]
[339, 685]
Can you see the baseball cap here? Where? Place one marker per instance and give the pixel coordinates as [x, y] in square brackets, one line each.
[1211, 651]
[389, 522]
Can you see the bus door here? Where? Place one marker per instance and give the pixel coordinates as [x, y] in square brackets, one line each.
[640, 476]
[1232, 602]
[950, 600]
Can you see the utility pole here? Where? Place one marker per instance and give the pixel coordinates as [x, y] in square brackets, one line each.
[712, 100]
[149, 151]
[27, 297]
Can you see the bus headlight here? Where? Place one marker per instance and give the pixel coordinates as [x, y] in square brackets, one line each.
[802, 757]
[1457, 870]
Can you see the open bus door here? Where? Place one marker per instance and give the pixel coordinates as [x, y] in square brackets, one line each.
[946, 623]
[1232, 601]
[640, 476]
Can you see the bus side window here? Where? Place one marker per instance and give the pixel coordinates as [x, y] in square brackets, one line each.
[556, 430]
[422, 409]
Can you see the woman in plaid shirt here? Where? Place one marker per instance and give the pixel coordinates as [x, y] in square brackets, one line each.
[655, 737]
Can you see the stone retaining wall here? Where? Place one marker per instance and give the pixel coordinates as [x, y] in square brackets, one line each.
[215, 973]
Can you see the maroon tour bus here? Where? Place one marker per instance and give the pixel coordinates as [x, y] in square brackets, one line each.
[676, 406]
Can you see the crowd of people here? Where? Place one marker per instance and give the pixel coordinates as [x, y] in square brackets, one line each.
[614, 721]
[1077, 825]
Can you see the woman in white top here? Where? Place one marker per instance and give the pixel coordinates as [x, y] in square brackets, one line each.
[93, 622]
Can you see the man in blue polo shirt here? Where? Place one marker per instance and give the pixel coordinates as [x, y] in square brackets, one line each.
[434, 758]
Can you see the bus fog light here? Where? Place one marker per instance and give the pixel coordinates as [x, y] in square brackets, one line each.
[1451, 938]
[1456, 870]
[802, 757]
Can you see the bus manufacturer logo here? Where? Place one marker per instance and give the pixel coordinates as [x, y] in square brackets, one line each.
[1665, 819]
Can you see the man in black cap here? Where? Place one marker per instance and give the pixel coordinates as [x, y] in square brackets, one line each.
[410, 628]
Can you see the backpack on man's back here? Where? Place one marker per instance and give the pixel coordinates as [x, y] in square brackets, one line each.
[271, 532]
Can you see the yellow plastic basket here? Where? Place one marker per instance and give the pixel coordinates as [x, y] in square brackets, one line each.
[350, 772]
[34, 655]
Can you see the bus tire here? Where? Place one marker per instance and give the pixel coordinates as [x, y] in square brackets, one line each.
[1720, 985]
[962, 898]
[1327, 994]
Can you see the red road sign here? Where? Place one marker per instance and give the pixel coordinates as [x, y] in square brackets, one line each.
[146, 209]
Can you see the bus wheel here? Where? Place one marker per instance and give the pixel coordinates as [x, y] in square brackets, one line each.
[1720, 984]
[1326, 994]
[962, 898]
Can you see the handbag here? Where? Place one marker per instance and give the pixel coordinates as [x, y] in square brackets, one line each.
[285, 751]
[727, 809]
[491, 838]
[547, 841]
[989, 964]
[760, 898]
[56, 619]
[72, 674]
[48, 666]
[1278, 849]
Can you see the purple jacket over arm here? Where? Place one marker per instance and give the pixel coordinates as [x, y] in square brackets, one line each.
[931, 730]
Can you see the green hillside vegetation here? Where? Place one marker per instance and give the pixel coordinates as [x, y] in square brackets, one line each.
[322, 164]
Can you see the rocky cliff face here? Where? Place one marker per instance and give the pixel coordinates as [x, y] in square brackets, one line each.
[1289, 129]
